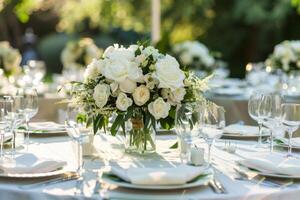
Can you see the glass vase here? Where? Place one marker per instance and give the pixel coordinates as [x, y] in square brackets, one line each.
[139, 138]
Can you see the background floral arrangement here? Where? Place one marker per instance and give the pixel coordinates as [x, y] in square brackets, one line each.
[78, 54]
[194, 55]
[286, 56]
[135, 81]
[10, 59]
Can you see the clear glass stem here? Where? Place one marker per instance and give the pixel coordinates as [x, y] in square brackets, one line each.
[1, 147]
[13, 143]
[260, 133]
[209, 153]
[290, 133]
[79, 157]
[271, 142]
[27, 136]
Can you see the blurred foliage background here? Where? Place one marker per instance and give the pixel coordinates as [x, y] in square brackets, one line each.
[241, 30]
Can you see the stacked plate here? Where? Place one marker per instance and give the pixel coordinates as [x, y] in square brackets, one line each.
[45, 129]
[237, 131]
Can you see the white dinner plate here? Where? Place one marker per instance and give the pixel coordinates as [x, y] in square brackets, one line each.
[242, 136]
[45, 132]
[113, 180]
[33, 175]
[268, 174]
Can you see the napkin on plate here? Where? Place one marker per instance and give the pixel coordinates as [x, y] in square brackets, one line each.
[273, 163]
[46, 126]
[238, 129]
[159, 176]
[29, 163]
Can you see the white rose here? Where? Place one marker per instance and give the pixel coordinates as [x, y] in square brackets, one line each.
[168, 73]
[92, 70]
[127, 86]
[141, 95]
[116, 52]
[159, 108]
[123, 102]
[121, 69]
[101, 94]
[177, 95]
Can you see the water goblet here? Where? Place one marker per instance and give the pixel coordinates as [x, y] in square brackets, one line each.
[254, 110]
[29, 106]
[187, 125]
[212, 126]
[290, 118]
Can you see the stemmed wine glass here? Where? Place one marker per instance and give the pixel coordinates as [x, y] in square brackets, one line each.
[270, 111]
[255, 111]
[187, 125]
[15, 116]
[73, 129]
[290, 118]
[4, 124]
[29, 106]
[213, 124]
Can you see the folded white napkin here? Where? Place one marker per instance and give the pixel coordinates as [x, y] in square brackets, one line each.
[159, 176]
[29, 163]
[241, 129]
[47, 126]
[273, 163]
[294, 141]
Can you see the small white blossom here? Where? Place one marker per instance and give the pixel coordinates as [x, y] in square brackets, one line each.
[123, 102]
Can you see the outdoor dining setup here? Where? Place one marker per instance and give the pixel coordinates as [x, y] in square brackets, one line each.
[98, 112]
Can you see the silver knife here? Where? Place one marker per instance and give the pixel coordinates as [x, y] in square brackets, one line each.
[68, 177]
[219, 185]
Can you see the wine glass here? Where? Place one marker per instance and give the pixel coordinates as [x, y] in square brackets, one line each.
[29, 106]
[290, 118]
[15, 115]
[213, 124]
[4, 124]
[187, 125]
[270, 111]
[73, 127]
[255, 112]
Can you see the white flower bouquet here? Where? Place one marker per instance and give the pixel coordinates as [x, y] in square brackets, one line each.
[78, 54]
[10, 59]
[286, 56]
[140, 87]
[194, 55]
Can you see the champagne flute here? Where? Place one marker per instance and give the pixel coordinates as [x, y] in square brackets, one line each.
[270, 112]
[254, 110]
[290, 118]
[213, 124]
[29, 106]
[187, 125]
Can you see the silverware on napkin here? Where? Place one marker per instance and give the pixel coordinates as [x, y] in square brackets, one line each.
[66, 177]
[217, 186]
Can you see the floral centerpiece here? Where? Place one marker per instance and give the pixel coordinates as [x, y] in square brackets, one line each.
[194, 55]
[137, 88]
[78, 54]
[286, 56]
[10, 59]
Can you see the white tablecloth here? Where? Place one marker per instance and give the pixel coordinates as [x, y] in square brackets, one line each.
[109, 151]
